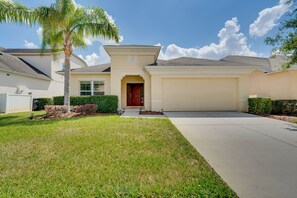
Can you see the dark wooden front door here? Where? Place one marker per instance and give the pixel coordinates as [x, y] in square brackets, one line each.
[134, 94]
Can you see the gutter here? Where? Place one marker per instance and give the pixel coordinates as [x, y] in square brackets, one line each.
[87, 73]
[280, 71]
[28, 75]
[202, 67]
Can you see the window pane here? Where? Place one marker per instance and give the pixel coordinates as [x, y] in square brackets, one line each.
[85, 93]
[85, 85]
[98, 93]
[98, 86]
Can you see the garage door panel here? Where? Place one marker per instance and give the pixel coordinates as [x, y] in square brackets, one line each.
[199, 94]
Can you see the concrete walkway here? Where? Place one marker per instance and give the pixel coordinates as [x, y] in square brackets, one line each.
[256, 156]
[134, 113]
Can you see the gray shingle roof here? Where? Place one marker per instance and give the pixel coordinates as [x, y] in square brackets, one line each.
[13, 64]
[187, 61]
[92, 69]
[26, 51]
[248, 60]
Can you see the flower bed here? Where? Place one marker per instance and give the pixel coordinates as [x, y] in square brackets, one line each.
[291, 119]
[60, 111]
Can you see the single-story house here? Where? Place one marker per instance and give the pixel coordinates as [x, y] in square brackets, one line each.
[28, 71]
[140, 80]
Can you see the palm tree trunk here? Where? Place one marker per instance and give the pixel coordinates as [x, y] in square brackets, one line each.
[67, 52]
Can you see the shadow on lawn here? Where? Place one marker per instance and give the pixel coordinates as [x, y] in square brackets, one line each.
[23, 120]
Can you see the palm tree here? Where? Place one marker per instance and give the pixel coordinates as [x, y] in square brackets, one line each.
[64, 27]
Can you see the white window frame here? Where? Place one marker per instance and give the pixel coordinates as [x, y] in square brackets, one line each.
[92, 85]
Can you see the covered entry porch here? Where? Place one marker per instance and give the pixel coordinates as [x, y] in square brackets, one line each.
[133, 92]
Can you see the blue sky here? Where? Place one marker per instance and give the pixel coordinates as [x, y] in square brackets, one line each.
[195, 28]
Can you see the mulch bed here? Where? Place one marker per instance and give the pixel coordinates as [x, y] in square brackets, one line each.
[292, 119]
[150, 113]
[72, 115]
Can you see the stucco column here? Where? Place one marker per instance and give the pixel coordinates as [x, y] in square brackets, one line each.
[243, 93]
[156, 93]
[115, 86]
[147, 92]
[292, 84]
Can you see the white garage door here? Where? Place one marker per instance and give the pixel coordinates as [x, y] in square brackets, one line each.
[199, 94]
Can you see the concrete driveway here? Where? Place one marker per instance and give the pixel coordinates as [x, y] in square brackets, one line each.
[256, 156]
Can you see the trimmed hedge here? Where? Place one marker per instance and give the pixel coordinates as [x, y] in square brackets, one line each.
[284, 107]
[58, 100]
[39, 103]
[106, 103]
[260, 106]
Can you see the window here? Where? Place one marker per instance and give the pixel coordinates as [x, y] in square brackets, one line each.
[132, 59]
[85, 88]
[88, 88]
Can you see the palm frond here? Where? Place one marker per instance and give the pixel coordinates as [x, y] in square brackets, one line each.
[16, 12]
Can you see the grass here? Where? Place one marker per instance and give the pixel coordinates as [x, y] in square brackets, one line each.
[105, 156]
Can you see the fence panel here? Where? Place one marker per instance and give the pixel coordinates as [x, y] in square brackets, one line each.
[11, 103]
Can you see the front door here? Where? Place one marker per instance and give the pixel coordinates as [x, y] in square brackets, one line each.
[134, 94]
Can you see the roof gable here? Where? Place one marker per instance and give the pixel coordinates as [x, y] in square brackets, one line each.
[13, 64]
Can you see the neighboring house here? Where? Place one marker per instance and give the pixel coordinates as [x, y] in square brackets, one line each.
[275, 82]
[183, 84]
[28, 71]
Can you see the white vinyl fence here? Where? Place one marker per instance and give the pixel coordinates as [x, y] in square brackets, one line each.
[11, 103]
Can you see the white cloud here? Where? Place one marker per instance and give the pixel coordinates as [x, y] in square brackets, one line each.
[91, 59]
[268, 18]
[231, 42]
[90, 40]
[97, 59]
[30, 44]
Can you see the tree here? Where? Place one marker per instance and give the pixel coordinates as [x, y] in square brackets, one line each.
[65, 25]
[285, 42]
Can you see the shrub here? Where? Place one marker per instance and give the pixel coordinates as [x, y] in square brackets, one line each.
[54, 110]
[284, 107]
[39, 103]
[58, 100]
[277, 107]
[106, 104]
[79, 100]
[85, 109]
[57, 110]
[260, 106]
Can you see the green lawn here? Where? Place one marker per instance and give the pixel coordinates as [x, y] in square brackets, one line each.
[103, 156]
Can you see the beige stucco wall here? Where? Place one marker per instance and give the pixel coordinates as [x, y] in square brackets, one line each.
[76, 78]
[125, 81]
[122, 67]
[278, 85]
